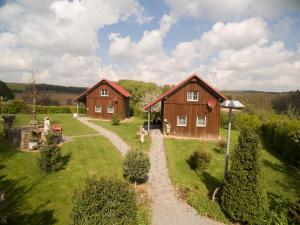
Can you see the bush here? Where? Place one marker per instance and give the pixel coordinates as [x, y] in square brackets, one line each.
[136, 166]
[15, 106]
[222, 144]
[283, 136]
[200, 159]
[115, 120]
[242, 119]
[104, 201]
[50, 156]
[243, 197]
[53, 109]
[224, 119]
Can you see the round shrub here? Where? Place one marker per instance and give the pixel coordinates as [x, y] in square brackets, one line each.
[136, 166]
[222, 145]
[108, 200]
[115, 120]
[200, 159]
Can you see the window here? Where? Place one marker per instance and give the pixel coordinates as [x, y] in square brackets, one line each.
[110, 109]
[192, 96]
[201, 121]
[97, 109]
[104, 92]
[181, 121]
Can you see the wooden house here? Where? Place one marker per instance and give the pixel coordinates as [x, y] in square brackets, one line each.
[190, 109]
[104, 99]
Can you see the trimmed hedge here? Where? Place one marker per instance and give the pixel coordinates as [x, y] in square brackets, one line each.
[19, 106]
[108, 200]
[283, 136]
[240, 120]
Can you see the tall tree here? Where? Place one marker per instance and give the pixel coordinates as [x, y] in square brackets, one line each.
[5, 92]
[243, 196]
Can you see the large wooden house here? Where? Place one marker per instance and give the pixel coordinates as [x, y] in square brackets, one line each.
[190, 109]
[104, 99]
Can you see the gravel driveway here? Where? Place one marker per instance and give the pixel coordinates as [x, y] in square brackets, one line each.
[166, 208]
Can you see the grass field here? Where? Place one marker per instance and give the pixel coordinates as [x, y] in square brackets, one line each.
[71, 126]
[36, 198]
[127, 131]
[278, 177]
[40, 199]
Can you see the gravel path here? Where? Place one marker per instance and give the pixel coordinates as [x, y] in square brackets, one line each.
[167, 209]
[113, 137]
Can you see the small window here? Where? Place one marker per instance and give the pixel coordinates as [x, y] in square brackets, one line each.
[97, 109]
[201, 121]
[110, 109]
[104, 92]
[181, 121]
[192, 96]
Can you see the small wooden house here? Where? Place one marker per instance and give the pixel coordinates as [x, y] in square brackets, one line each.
[104, 99]
[190, 109]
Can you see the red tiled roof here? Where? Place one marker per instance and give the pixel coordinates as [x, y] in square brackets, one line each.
[173, 89]
[115, 86]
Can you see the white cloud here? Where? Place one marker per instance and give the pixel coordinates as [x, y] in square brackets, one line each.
[231, 9]
[149, 45]
[239, 55]
[58, 37]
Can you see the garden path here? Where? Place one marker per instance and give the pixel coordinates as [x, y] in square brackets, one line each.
[113, 137]
[167, 209]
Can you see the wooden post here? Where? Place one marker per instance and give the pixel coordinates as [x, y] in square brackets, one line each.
[228, 144]
[149, 115]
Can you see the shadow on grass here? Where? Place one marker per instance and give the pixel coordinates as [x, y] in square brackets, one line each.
[65, 160]
[292, 180]
[210, 182]
[14, 204]
[12, 208]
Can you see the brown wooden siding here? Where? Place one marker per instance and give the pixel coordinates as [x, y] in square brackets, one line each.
[177, 105]
[114, 98]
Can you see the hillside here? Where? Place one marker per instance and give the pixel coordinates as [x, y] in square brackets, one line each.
[23, 87]
[259, 99]
[65, 94]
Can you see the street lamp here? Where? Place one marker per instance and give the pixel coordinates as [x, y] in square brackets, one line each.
[229, 104]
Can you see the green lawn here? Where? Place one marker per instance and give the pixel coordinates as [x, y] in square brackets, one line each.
[127, 131]
[48, 198]
[71, 126]
[278, 177]
[39, 199]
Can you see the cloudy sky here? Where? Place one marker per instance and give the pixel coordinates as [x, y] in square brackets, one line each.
[233, 44]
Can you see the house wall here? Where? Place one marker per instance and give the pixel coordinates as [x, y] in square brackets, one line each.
[177, 105]
[114, 98]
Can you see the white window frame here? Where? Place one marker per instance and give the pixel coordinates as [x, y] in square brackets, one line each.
[100, 109]
[104, 92]
[181, 125]
[192, 100]
[201, 125]
[113, 109]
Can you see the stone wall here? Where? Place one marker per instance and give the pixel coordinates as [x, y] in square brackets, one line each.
[19, 137]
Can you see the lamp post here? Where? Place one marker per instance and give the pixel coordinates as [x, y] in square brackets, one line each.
[229, 104]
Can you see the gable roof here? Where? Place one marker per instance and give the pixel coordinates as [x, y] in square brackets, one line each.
[115, 86]
[182, 83]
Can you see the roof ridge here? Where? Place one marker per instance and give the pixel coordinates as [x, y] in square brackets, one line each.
[113, 84]
[171, 90]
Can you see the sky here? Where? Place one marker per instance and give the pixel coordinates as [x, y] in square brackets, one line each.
[232, 44]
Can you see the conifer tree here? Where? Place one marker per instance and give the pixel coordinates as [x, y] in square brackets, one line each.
[50, 155]
[243, 197]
